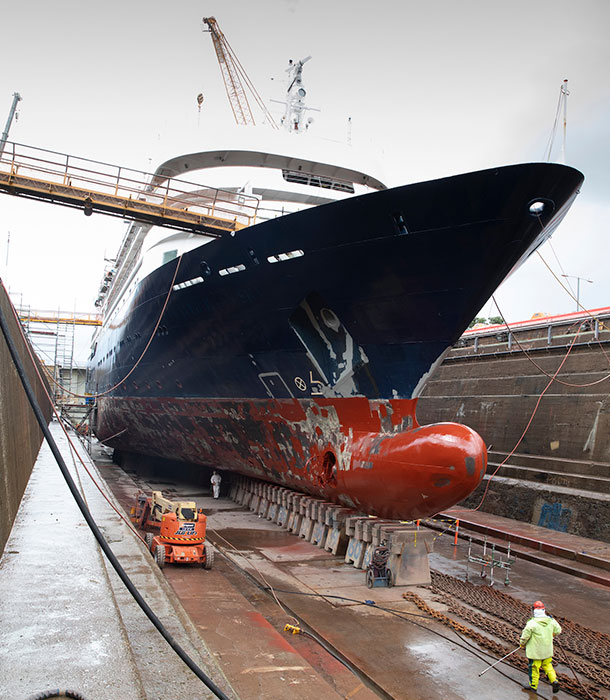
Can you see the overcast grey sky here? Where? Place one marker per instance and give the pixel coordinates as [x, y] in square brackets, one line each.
[437, 86]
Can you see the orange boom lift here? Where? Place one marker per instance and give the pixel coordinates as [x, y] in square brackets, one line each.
[180, 527]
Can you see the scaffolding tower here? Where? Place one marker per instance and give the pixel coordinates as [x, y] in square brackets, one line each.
[52, 336]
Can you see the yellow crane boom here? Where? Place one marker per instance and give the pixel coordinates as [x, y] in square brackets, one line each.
[235, 78]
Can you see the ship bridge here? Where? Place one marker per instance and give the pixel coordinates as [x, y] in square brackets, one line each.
[89, 185]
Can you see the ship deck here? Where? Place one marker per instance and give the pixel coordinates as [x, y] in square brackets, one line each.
[66, 621]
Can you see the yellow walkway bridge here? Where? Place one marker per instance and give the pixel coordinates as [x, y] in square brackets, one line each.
[92, 186]
[59, 317]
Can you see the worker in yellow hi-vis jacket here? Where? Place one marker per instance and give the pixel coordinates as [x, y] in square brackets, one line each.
[537, 638]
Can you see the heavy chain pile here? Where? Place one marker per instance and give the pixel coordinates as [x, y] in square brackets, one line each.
[594, 645]
[507, 608]
[511, 634]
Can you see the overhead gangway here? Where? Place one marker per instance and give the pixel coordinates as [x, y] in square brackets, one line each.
[54, 317]
[92, 186]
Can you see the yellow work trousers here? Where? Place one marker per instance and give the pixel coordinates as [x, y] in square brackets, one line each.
[534, 670]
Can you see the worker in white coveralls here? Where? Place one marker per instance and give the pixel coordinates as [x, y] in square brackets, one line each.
[215, 481]
[537, 638]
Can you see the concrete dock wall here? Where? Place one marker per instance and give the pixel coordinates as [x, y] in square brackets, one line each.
[559, 475]
[497, 395]
[20, 436]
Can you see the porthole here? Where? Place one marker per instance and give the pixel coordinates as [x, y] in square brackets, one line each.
[232, 270]
[281, 257]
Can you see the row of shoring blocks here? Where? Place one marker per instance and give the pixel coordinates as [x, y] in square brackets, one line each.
[320, 522]
[340, 530]
[409, 547]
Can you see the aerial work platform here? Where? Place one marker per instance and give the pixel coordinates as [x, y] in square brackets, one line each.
[92, 186]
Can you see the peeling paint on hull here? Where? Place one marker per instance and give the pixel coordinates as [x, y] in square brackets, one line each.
[368, 455]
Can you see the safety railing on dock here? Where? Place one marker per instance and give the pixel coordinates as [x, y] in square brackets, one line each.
[540, 334]
[111, 189]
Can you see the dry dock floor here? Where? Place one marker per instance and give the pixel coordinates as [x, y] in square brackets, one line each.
[65, 620]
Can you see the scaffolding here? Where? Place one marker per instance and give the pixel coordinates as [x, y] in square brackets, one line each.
[52, 336]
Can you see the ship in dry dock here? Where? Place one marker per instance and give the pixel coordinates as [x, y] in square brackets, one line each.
[293, 344]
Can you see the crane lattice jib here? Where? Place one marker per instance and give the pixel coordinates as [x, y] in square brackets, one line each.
[234, 77]
[235, 90]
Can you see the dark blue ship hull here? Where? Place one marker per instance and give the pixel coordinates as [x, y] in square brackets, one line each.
[381, 286]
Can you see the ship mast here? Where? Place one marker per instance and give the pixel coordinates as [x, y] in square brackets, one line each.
[564, 97]
[293, 119]
[562, 106]
[294, 104]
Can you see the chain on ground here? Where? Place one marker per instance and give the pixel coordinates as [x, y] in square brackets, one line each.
[578, 688]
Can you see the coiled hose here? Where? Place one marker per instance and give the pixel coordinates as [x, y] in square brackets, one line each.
[380, 557]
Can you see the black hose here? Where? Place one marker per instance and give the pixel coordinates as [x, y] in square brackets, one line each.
[91, 522]
[57, 694]
[366, 680]
[380, 557]
[402, 614]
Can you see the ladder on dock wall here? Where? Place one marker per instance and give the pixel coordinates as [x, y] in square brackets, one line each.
[85, 184]
[64, 358]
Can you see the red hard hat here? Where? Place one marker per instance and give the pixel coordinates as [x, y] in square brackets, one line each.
[539, 604]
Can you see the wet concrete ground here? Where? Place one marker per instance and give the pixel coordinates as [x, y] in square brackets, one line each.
[395, 653]
[399, 654]
[564, 595]
[67, 621]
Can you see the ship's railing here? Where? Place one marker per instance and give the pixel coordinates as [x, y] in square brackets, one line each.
[113, 189]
